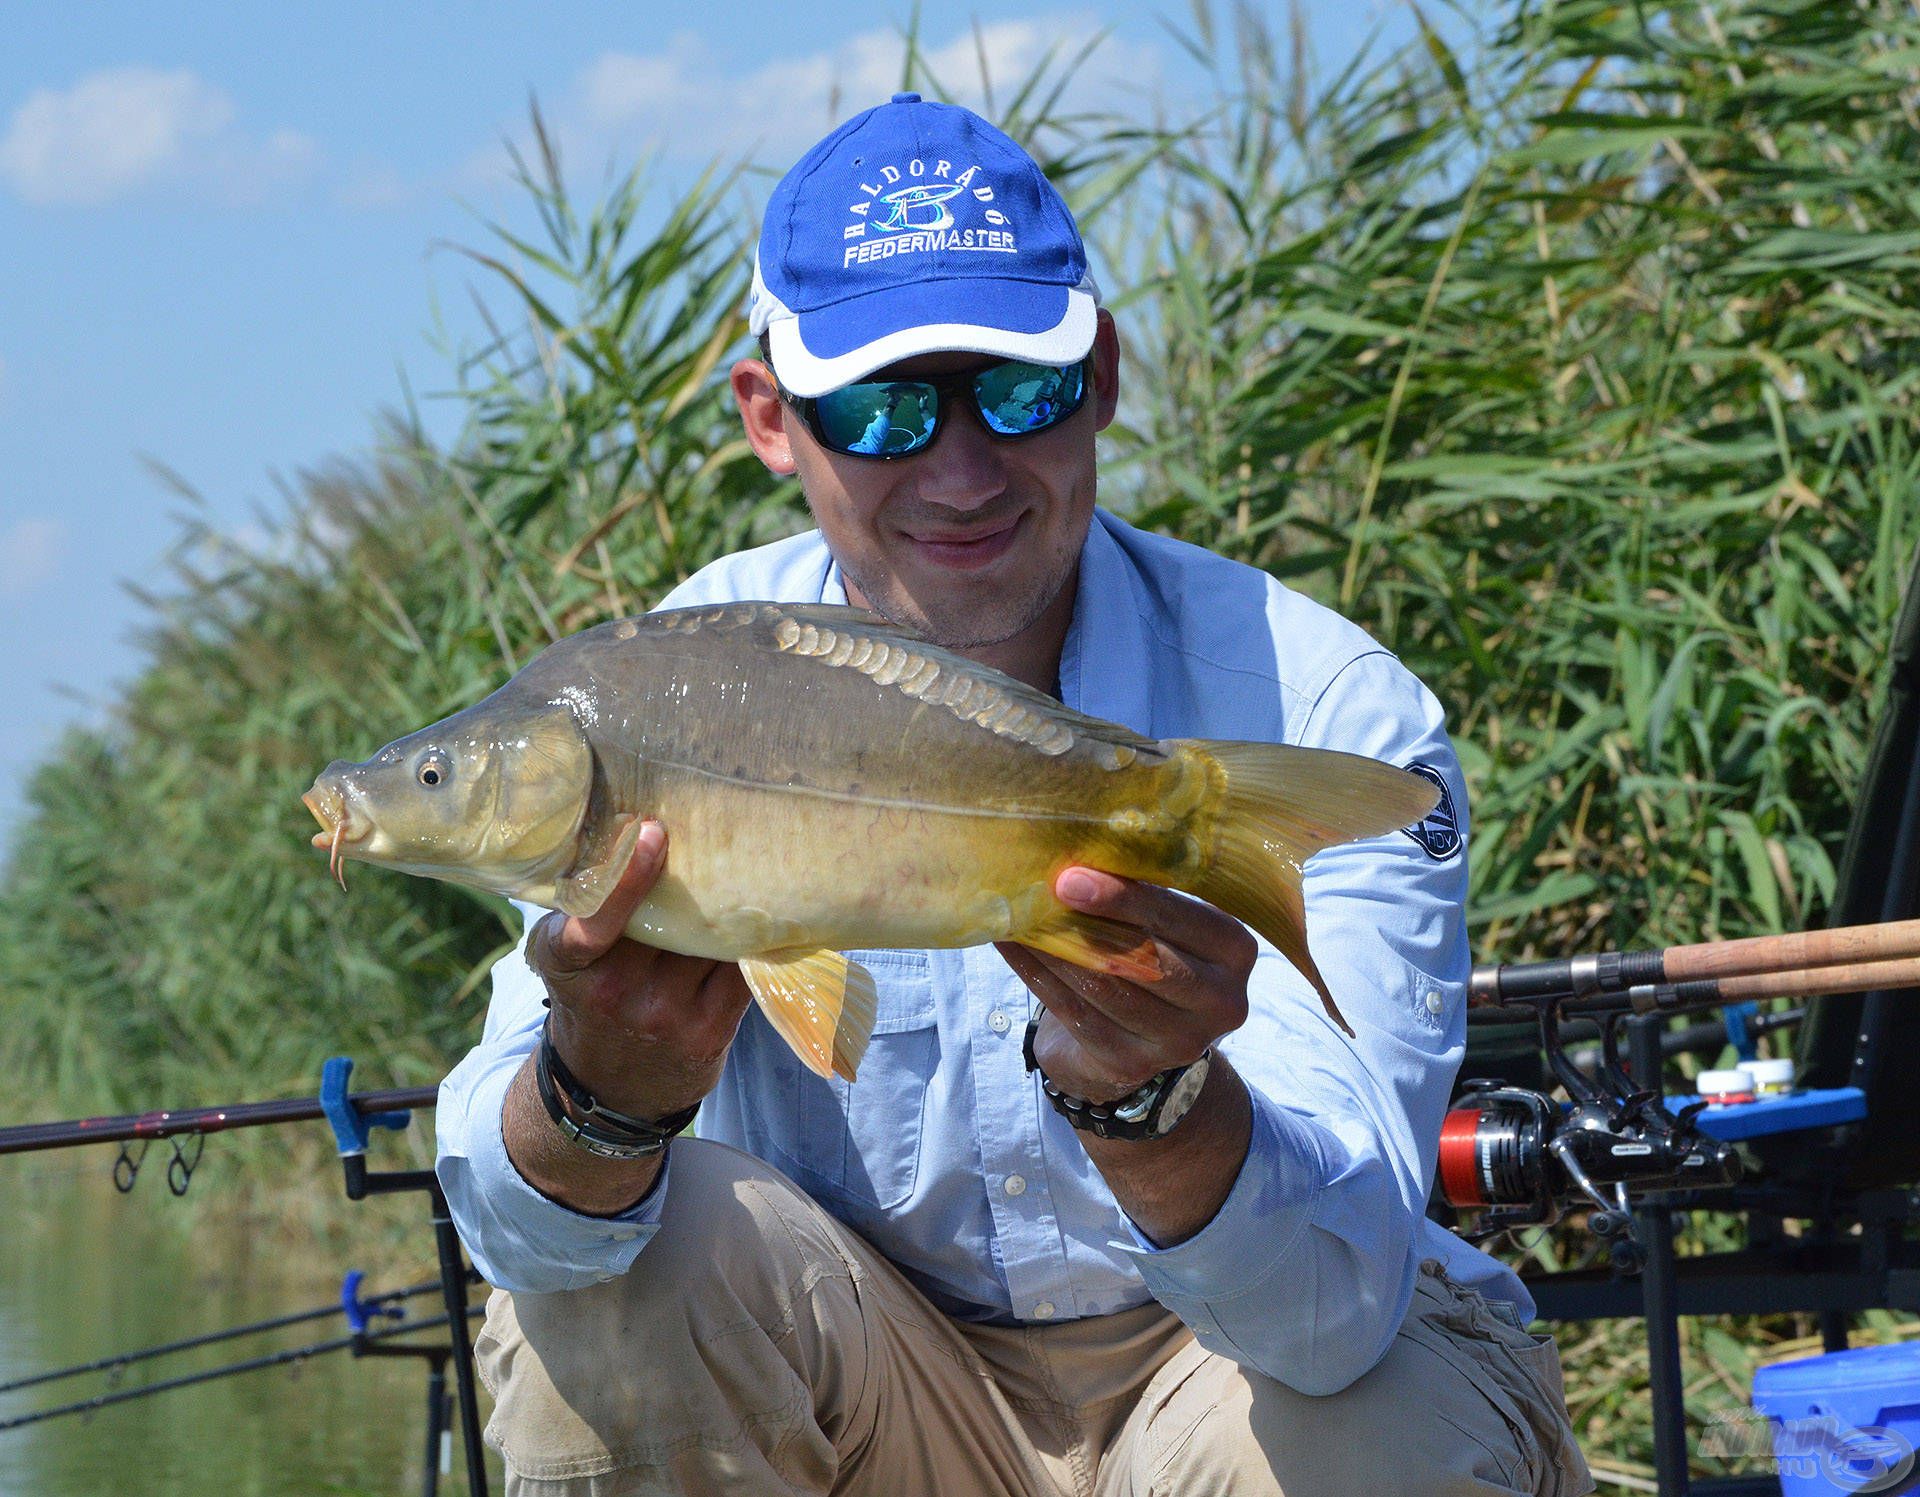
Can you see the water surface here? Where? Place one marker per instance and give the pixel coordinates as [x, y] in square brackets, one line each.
[86, 1272]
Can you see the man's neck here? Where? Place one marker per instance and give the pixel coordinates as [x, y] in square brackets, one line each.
[1032, 655]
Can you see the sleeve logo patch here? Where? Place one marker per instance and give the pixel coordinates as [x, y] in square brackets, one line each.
[1439, 834]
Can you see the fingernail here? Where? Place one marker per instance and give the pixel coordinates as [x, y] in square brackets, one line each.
[652, 838]
[1076, 883]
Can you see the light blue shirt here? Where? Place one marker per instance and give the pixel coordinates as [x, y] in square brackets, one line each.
[947, 1157]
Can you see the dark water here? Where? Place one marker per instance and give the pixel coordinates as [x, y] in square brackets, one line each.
[86, 1273]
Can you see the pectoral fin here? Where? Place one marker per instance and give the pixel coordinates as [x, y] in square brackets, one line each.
[818, 1002]
[1097, 944]
[582, 891]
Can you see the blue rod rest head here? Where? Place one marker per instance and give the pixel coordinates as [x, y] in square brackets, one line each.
[355, 1312]
[359, 1313]
[350, 1124]
[1739, 1018]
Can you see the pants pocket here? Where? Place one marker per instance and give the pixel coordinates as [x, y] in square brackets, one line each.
[1516, 1371]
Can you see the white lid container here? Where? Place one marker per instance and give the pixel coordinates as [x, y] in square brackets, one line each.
[1723, 1084]
[1770, 1077]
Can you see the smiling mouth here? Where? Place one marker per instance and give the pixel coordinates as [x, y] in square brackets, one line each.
[968, 549]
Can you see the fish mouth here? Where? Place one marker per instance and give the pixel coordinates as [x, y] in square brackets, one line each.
[337, 829]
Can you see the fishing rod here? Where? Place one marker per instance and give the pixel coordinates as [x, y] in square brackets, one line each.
[1516, 1157]
[1781, 957]
[358, 1341]
[378, 1304]
[25, 1138]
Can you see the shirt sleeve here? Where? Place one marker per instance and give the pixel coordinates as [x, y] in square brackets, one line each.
[518, 1238]
[1306, 1271]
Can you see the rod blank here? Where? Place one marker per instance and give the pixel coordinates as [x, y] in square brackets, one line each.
[1880, 945]
[27, 1137]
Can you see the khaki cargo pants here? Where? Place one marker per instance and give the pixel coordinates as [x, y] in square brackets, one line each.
[759, 1347]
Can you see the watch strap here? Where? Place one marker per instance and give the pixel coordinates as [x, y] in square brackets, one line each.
[1137, 1115]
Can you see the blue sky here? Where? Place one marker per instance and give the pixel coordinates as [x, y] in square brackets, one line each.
[218, 231]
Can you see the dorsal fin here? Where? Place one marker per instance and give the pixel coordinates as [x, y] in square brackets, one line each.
[897, 657]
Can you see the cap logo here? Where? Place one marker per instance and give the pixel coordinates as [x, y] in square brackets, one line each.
[907, 207]
[911, 206]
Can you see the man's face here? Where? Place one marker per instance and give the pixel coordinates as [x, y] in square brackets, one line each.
[968, 541]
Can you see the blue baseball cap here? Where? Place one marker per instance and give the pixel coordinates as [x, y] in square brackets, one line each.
[916, 228]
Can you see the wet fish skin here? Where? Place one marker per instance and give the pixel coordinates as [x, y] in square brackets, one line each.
[831, 782]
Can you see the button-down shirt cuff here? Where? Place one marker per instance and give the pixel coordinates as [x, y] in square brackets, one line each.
[519, 1238]
[1255, 1227]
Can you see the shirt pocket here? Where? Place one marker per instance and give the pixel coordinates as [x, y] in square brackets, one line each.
[859, 1144]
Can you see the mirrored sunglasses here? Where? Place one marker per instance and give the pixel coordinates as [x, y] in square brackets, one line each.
[899, 417]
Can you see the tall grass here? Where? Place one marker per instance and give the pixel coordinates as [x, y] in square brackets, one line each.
[1578, 364]
[1583, 374]
[169, 933]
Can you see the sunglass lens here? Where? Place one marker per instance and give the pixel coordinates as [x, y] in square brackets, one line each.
[876, 419]
[1017, 398]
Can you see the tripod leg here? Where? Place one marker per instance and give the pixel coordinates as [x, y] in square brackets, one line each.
[436, 1426]
[453, 1288]
[1661, 1302]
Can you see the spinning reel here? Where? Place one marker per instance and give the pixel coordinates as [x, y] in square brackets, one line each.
[1518, 1158]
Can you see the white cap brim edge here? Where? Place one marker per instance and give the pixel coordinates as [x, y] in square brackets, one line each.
[805, 374]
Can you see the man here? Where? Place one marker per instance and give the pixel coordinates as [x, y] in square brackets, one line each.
[935, 1280]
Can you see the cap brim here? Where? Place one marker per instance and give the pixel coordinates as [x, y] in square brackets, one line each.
[822, 350]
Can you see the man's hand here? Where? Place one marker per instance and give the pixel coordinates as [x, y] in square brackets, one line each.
[1112, 1034]
[1102, 1036]
[646, 1032]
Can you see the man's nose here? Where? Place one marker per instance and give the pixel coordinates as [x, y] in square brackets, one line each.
[964, 469]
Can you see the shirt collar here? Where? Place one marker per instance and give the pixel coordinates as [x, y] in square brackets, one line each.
[1105, 669]
[833, 587]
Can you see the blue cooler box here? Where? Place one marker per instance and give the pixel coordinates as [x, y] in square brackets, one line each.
[1845, 1422]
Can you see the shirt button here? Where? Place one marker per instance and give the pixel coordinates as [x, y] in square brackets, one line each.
[624, 1234]
[1434, 1003]
[998, 1022]
[1043, 1310]
[1015, 1185]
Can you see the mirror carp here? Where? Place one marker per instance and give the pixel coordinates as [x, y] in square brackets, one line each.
[831, 781]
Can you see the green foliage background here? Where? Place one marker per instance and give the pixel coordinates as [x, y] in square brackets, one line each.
[1580, 370]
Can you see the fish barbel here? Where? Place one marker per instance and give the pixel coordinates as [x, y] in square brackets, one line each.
[830, 781]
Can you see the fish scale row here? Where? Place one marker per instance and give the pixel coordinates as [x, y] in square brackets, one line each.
[965, 695]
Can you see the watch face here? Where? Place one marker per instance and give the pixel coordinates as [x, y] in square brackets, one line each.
[1183, 1094]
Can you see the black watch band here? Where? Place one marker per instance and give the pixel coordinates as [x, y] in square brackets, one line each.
[586, 1123]
[1150, 1110]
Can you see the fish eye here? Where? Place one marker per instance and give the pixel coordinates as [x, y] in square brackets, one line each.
[433, 770]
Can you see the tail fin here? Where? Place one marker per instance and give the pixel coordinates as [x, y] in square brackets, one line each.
[1283, 805]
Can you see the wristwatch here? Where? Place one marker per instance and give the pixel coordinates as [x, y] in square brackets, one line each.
[1151, 1110]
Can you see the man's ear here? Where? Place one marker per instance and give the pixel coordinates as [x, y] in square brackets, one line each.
[1106, 370]
[764, 415]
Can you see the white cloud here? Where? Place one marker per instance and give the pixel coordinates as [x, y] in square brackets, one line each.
[131, 129]
[684, 102]
[29, 554]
